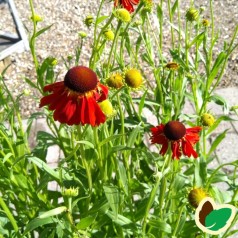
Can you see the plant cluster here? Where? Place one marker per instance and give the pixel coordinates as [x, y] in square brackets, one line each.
[120, 174]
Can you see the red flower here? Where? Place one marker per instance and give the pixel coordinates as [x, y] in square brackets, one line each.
[181, 139]
[127, 4]
[74, 100]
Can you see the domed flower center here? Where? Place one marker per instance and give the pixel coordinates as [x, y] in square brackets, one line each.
[80, 79]
[174, 130]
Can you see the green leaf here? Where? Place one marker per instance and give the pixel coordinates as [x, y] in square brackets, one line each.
[217, 219]
[37, 222]
[197, 40]
[133, 135]
[45, 167]
[175, 6]
[42, 31]
[142, 103]
[160, 225]
[216, 67]
[91, 145]
[217, 141]
[113, 198]
[159, 12]
[217, 122]
[85, 222]
[101, 19]
[110, 138]
[53, 212]
[123, 177]
[120, 220]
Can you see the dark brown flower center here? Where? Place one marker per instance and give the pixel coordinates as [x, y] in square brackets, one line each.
[81, 79]
[174, 130]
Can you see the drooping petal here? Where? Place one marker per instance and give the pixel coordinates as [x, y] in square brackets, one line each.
[164, 148]
[176, 149]
[188, 149]
[158, 135]
[54, 87]
[127, 4]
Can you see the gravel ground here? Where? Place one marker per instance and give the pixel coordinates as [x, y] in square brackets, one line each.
[67, 19]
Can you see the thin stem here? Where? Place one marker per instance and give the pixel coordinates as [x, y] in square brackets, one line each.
[32, 39]
[152, 196]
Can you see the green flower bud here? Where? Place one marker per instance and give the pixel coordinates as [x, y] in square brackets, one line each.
[82, 34]
[36, 18]
[123, 15]
[192, 14]
[70, 192]
[109, 35]
[88, 21]
[205, 23]
[207, 119]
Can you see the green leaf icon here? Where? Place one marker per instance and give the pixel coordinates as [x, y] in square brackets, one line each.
[217, 219]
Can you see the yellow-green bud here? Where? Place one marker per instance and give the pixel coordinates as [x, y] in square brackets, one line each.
[107, 108]
[207, 119]
[148, 4]
[109, 35]
[205, 23]
[192, 14]
[26, 92]
[123, 15]
[115, 81]
[196, 195]
[53, 61]
[70, 192]
[82, 34]
[88, 21]
[133, 78]
[36, 18]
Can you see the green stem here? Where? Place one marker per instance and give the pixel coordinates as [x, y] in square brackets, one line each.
[33, 37]
[113, 46]
[171, 21]
[178, 219]
[152, 196]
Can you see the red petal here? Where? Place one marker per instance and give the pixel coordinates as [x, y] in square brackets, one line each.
[188, 149]
[164, 148]
[54, 86]
[103, 92]
[176, 150]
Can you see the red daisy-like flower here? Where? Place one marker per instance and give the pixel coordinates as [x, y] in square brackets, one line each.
[181, 139]
[74, 100]
[127, 4]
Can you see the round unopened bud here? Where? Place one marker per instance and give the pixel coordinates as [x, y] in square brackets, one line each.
[196, 195]
[192, 14]
[36, 18]
[123, 15]
[133, 78]
[115, 81]
[26, 92]
[70, 192]
[106, 107]
[109, 35]
[88, 20]
[82, 34]
[53, 61]
[207, 119]
[205, 23]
